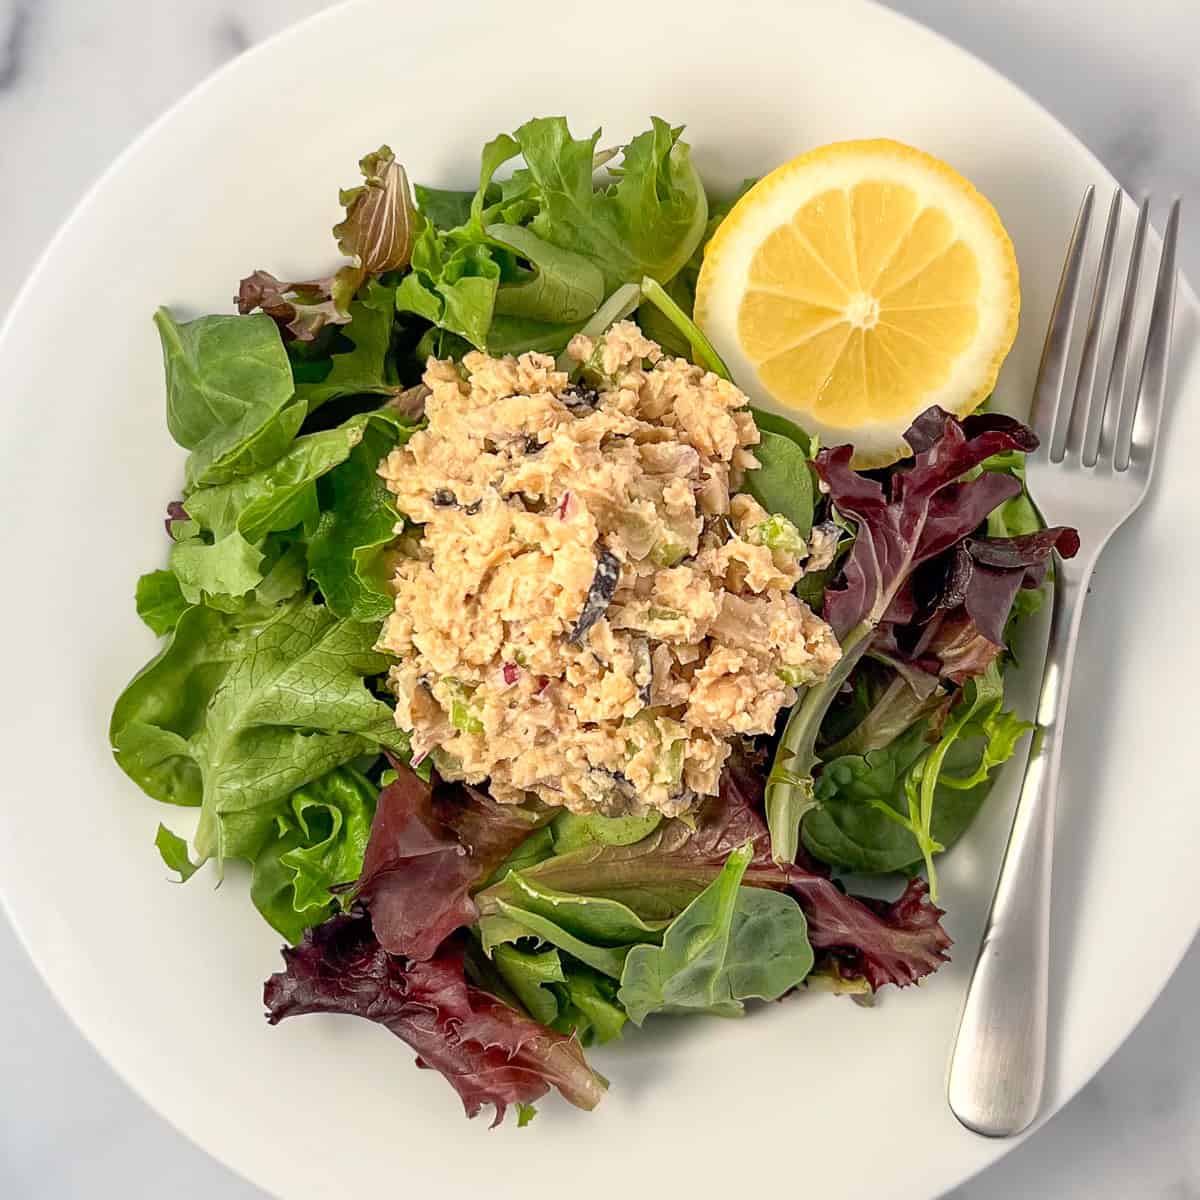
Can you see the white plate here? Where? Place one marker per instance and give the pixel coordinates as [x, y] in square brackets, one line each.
[812, 1094]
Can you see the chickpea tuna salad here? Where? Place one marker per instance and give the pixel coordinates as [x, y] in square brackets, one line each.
[589, 617]
[568, 589]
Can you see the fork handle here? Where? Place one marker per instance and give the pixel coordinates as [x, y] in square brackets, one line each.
[998, 1066]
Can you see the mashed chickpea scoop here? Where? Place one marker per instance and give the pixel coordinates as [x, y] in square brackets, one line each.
[589, 615]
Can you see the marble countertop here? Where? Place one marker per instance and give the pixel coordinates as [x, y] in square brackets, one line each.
[79, 79]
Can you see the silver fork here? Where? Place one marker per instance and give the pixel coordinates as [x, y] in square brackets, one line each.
[1092, 471]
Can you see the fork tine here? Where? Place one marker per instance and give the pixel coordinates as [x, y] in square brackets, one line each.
[1114, 395]
[1047, 391]
[1086, 404]
[1147, 401]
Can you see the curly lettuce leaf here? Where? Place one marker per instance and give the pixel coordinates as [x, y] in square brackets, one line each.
[451, 285]
[488, 1052]
[534, 256]
[561, 993]
[220, 572]
[321, 836]
[648, 222]
[730, 944]
[240, 709]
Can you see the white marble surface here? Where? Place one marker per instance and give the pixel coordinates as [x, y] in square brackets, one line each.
[79, 78]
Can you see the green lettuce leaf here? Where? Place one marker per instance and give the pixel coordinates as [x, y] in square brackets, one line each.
[558, 283]
[321, 836]
[535, 255]
[897, 806]
[783, 482]
[444, 208]
[573, 831]
[160, 601]
[682, 288]
[358, 520]
[648, 222]
[557, 991]
[360, 363]
[452, 284]
[241, 709]
[218, 572]
[174, 852]
[730, 944]
[228, 379]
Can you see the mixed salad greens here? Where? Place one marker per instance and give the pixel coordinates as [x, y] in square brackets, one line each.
[499, 940]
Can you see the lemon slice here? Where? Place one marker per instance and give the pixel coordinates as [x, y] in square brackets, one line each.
[855, 286]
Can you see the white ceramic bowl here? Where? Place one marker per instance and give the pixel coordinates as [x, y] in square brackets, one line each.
[813, 1094]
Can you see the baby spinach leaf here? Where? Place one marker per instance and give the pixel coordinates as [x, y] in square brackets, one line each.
[358, 520]
[227, 378]
[280, 496]
[363, 369]
[160, 601]
[892, 808]
[516, 335]
[260, 449]
[444, 208]
[861, 801]
[728, 945]
[770, 422]
[783, 482]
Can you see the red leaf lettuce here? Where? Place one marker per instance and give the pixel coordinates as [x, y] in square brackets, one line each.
[489, 1053]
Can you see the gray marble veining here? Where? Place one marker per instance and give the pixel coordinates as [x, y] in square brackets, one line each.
[12, 42]
[79, 78]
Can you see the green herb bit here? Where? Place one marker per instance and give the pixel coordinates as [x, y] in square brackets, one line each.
[778, 533]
